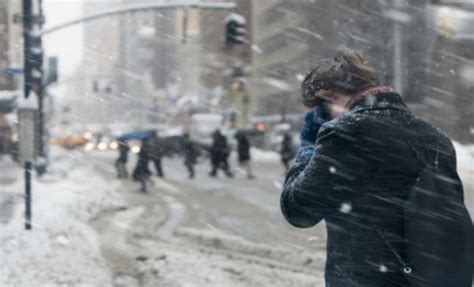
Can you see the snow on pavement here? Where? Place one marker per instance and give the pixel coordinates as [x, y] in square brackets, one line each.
[61, 250]
[188, 266]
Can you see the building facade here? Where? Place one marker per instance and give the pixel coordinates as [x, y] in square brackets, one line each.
[11, 52]
[415, 46]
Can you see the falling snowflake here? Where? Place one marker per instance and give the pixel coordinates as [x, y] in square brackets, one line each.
[346, 207]
[383, 268]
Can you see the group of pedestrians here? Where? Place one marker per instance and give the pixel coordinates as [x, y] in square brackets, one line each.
[152, 150]
[221, 150]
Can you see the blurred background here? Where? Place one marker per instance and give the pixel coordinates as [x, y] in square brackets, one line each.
[156, 68]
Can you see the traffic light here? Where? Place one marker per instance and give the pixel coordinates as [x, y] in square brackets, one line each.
[235, 29]
[34, 66]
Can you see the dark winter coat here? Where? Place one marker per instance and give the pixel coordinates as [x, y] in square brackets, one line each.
[123, 152]
[220, 150]
[142, 170]
[191, 152]
[157, 148]
[243, 148]
[362, 169]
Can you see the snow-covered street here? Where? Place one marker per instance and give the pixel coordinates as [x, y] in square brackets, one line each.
[96, 230]
[231, 228]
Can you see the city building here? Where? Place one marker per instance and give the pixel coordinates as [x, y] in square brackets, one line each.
[4, 77]
[11, 52]
[424, 49]
[289, 37]
[100, 62]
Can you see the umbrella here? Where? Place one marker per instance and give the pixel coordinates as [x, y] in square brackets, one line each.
[135, 135]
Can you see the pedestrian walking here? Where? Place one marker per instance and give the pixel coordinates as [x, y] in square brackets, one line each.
[141, 172]
[157, 151]
[121, 162]
[243, 152]
[220, 151]
[191, 153]
[384, 181]
[287, 150]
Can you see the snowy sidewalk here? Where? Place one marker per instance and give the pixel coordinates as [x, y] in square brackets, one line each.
[61, 250]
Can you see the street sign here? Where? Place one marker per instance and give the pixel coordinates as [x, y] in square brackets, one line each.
[27, 120]
[14, 71]
[27, 127]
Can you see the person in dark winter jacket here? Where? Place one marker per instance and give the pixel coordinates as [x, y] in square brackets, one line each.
[220, 151]
[121, 162]
[191, 153]
[141, 172]
[287, 150]
[354, 170]
[243, 151]
[157, 151]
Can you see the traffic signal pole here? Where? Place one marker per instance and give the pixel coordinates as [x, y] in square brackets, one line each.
[130, 8]
[41, 167]
[27, 29]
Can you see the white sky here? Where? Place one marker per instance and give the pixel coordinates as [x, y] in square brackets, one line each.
[67, 44]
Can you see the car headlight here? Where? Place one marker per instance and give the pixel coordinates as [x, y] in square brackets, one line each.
[88, 135]
[89, 147]
[102, 146]
[113, 145]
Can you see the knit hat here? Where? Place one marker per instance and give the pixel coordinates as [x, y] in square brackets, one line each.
[349, 72]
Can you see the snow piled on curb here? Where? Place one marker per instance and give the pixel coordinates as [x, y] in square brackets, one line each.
[61, 250]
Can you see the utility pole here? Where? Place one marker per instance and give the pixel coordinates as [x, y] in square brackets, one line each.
[28, 105]
[41, 166]
[27, 29]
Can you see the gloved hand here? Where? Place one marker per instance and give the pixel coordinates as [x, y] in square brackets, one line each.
[313, 122]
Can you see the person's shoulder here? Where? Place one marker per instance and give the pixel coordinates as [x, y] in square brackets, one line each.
[426, 132]
[346, 124]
